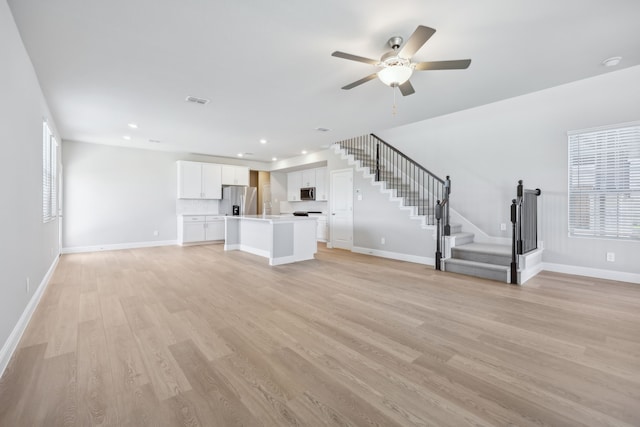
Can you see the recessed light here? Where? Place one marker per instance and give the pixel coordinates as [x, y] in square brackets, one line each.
[127, 137]
[155, 141]
[133, 126]
[322, 129]
[273, 159]
[263, 141]
[612, 62]
[304, 151]
[240, 154]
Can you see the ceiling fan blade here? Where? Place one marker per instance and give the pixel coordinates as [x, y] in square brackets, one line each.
[459, 64]
[415, 42]
[406, 88]
[359, 82]
[343, 55]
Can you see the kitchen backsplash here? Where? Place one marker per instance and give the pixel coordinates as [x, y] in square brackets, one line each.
[196, 206]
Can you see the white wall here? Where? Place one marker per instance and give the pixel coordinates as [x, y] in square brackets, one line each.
[376, 217]
[117, 197]
[487, 149]
[29, 247]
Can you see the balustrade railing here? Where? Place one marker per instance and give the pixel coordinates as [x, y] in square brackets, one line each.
[418, 186]
[524, 224]
[415, 184]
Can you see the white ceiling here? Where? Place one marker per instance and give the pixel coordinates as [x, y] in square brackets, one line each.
[268, 70]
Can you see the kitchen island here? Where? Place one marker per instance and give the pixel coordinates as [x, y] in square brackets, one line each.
[282, 239]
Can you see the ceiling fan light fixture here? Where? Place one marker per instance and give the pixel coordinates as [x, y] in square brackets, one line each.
[395, 75]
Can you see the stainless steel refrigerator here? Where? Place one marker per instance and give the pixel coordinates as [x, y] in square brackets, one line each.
[239, 201]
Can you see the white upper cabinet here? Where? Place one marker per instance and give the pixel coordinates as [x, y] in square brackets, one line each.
[308, 178]
[189, 180]
[235, 175]
[211, 181]
[199, 180]
[294, 182]
[322, 188]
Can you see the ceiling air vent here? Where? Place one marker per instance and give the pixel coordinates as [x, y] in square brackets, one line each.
[196, 100]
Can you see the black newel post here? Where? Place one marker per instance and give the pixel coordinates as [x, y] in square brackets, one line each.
[520, 196]
[438, 238]
[514, 262]
[377, 161]
[447, 191]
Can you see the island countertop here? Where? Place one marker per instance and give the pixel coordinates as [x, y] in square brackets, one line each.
[273, 218]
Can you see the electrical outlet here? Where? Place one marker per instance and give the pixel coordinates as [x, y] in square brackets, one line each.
[28, 285]
[503, 227]
[382, 241]
[155, 233]
[611, 256]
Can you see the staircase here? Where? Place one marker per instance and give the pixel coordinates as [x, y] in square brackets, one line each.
[416, 186]
[427, 197]
[487, 260]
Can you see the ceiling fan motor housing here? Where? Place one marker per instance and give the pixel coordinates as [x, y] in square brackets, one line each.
[395, 42]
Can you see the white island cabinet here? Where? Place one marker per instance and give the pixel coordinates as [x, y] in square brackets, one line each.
[281, 239]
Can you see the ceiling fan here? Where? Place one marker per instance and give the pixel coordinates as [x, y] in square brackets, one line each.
[396, 66]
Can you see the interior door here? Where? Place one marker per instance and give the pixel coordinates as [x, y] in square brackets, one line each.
[341, 218]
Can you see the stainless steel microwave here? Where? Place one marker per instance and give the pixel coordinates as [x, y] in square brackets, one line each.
[308, 193]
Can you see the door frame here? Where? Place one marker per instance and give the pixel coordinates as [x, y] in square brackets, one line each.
[332, 173]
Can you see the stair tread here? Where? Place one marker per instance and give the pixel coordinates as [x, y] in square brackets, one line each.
[486, 248]
[462, 234]
[477, 264]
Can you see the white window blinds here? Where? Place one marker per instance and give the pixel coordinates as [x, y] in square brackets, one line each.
[49, 171]
[604, 182]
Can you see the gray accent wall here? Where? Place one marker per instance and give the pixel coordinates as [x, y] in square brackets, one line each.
[488, 148]
[29, 248]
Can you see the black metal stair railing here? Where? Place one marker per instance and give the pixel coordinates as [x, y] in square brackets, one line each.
[524, 223]
[415, 184]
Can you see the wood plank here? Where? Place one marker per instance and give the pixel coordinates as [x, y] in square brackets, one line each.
[95, 384]
[198, 336]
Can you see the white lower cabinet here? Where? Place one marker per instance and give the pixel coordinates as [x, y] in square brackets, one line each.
[214, 228]
[321, 221]
[200, 228]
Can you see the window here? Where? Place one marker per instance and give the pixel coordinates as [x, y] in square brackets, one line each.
[604, 182]
[49, 168]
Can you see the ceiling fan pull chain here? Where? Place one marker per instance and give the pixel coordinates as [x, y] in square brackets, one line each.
[394, 110]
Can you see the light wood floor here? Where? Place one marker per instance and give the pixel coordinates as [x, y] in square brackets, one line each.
[193, 336]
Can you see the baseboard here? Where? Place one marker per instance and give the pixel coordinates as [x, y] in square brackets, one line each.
[530, 272]
[118, 246]
[394, 255]
[12, 342]
[592, 272]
